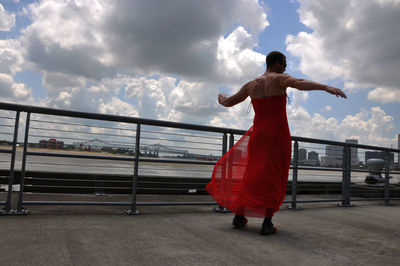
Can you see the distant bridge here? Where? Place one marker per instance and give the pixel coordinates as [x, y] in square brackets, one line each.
[97, 144]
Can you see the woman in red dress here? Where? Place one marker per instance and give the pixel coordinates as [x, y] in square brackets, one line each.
[250, 179]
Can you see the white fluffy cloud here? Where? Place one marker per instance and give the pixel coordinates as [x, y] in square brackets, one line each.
[11, 58]
[373, 127]
[172, 42]
[194, 98]
[69, 92]
[66, 36]
[151, 95]
[167, 98]
[100, 38]
[354, 40]
[192, 46]
[13, 90]
[237, 62]
[7, 20]
[117, 107]
[54, 81]
[95, 98]
[327, 108]
[239, 117]
[386, 95]
[313, 59]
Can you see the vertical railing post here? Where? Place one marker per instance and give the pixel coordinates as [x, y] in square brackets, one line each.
[230, 159]
[344, 171]
[7, 209]
[231, 141]
[294, 175]
[219, 208]
[224, 144]
[20, 209]
[387, 184]
[346, 176]
[133, 209]
[349, 176]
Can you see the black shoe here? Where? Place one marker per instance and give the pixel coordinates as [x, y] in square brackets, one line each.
[268, 229]
[239, 221]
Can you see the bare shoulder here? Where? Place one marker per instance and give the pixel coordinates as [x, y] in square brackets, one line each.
[286, 80]
[282, 76]
[252, 83]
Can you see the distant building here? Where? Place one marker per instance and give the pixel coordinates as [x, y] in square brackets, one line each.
[312, 155]
[379, 155]
[51, 144]
[333, 156]
[302, 154]
[312, 159]
[353, 152]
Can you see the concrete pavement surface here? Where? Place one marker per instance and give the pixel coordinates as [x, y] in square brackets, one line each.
[318, 234]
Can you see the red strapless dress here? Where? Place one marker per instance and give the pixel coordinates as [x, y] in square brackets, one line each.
[252, 176]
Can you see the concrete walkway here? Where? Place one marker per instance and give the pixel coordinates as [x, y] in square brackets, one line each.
[318, 234]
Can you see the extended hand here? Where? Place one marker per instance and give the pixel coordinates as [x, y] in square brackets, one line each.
[335, 91]
[222, 98]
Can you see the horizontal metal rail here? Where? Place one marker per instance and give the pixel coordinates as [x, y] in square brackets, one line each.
[332, 169]
[313, 201]
[339, 200]
[80, 156]
[5, 151]
[160, 203]
[372, 199]
[113, 203]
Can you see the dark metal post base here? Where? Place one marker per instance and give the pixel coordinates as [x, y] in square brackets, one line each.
[14, 212]
[131, 212]
[221, 209]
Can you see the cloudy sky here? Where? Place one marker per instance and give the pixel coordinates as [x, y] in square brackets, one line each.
[169, 59]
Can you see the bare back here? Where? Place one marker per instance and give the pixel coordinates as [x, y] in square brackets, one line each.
[273, 83]
[266, 85]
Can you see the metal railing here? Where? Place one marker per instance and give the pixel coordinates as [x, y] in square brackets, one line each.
[228, 140]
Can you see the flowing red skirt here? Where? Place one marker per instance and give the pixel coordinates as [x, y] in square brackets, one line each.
[252, 176]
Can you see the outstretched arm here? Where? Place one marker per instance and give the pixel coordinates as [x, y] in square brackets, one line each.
[239, 97]
[308, 85]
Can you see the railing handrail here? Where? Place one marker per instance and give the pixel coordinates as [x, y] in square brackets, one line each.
[153, 122]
